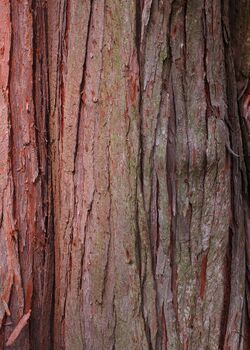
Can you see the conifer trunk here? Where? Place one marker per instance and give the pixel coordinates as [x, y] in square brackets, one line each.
[124, 174]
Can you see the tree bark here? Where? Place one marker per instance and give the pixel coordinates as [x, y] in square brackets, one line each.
[124, 174]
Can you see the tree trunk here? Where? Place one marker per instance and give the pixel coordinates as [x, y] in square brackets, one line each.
[124, 174]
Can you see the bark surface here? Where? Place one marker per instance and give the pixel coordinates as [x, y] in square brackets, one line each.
[124, 174]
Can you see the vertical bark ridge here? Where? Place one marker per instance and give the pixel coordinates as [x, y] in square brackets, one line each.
[69, 40]
[240, 28]
[24, 158]
[98, 127]
[28, 247]
[10, 269]
[43, 263]
[199, 86]
[237, 65]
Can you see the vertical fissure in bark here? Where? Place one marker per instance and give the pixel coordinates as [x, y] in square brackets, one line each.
[208, 112]
[227, 291]
[244, 110]
[138, 21]
[154, 195]
[83, 81]
[35, 24]
[59, 95]
[171, 188]
[237, 332]
[138, 18]
[81, 106]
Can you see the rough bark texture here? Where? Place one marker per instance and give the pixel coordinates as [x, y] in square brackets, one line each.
[124, 174]
[26, 267]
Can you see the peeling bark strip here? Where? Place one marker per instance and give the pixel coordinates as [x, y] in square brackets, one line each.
[18, 329]
[124, 185]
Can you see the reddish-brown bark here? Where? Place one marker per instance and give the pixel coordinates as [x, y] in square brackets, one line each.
[124, 174]
[27, 269]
